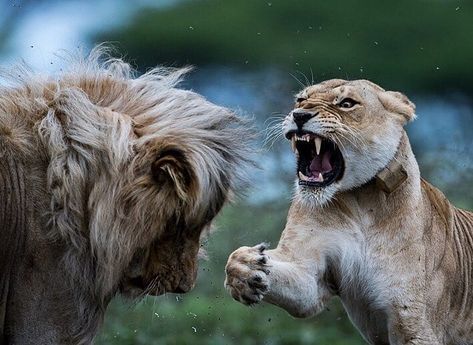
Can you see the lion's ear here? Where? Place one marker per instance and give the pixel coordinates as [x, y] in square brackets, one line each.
[398, 103]
[172, 165]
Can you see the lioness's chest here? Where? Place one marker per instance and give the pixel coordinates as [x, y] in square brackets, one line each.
[368, 284]
[366, 305]
[389, 271]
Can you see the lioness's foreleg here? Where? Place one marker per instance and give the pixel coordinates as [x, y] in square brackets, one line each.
[275, 276]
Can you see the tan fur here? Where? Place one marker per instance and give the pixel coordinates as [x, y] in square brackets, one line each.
[108, 181]
[400, 259]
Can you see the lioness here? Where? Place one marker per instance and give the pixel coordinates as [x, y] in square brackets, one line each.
[107, 181]
[364, 226]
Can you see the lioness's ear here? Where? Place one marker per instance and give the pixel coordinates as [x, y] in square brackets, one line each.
[398, 103]
[172, 166]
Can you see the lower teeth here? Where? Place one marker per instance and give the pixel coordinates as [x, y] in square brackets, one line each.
[303, 177]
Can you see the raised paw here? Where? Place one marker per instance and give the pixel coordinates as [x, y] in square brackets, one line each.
[247, 272]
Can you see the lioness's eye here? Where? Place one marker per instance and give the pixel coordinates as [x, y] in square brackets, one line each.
[347, 103]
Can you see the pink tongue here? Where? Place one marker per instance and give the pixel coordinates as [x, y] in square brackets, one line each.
[321, 163]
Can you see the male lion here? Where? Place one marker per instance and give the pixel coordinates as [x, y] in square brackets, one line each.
[364, 226]
[107, 182]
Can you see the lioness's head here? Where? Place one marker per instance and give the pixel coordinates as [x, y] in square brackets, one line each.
[343, 133]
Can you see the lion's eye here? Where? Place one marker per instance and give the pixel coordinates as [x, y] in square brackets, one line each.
[300, 99]
[347, 103]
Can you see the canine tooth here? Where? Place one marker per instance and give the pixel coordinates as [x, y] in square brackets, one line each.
[318, 145]
[302, 176]
[321, 178]
[293, 144]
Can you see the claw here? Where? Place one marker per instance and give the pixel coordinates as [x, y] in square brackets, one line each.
[262, 246]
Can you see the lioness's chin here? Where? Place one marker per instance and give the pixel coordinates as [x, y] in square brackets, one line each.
[312, 197]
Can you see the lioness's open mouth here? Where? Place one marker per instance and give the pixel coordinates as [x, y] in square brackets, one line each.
[319, 160]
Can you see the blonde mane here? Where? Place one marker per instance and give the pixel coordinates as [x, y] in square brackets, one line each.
[118, 159]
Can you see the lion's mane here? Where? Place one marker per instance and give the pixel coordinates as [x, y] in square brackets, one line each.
[110, 160]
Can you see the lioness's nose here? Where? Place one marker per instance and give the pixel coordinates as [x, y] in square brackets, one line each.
[301, 117]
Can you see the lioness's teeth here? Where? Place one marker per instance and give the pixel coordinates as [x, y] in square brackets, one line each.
[321, 178]
[293, 144]
[318, 144]
[303, 177]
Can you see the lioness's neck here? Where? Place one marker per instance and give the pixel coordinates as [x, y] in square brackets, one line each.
[370, 197]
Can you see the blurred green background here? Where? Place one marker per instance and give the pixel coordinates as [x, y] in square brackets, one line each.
[252, 56]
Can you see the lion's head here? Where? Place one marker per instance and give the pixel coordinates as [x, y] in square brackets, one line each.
[118, 177]
[343, 133]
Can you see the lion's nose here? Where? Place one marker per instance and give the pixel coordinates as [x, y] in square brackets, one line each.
[180, 289]
[183, 287]
[300, 118]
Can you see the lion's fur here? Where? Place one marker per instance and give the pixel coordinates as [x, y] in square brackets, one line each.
[110, 164]
[401, 261]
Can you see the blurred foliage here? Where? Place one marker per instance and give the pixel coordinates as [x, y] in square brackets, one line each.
[410, 45]
[208, 315]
